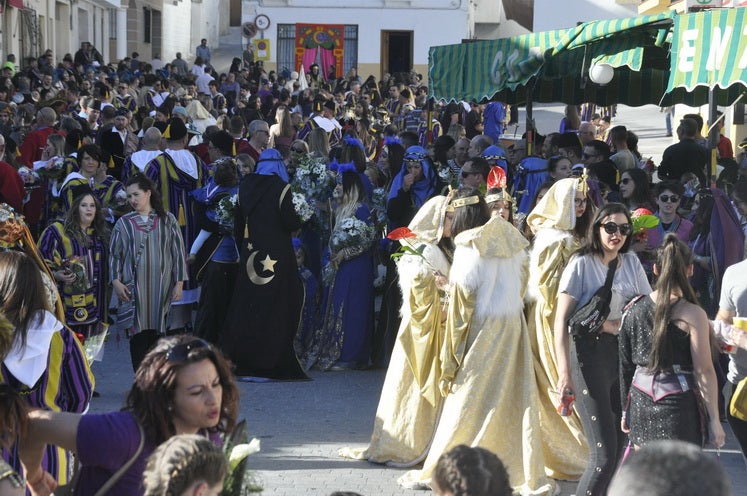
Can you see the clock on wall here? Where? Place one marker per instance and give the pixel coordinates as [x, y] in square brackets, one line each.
[262, 22]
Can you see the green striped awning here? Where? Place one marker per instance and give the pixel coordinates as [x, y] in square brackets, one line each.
[551, 66]
[709, 50]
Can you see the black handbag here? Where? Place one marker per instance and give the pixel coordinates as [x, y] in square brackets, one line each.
[589, 319]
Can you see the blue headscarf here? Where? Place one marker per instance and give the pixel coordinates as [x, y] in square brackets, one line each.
[271, 163]
[422, 190]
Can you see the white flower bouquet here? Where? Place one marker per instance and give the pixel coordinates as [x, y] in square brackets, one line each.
[351, 232]
[226, 209]
[313, 179]
[303, 209]
[50, 169]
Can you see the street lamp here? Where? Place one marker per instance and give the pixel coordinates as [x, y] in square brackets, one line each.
[601, 74]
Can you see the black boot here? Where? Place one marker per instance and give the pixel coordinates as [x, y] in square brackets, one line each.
[140, 345]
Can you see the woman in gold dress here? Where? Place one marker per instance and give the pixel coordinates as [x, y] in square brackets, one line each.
[410, 401]
[559, 223]
[487, 375]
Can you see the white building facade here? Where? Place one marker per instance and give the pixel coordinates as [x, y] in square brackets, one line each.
[388, 36]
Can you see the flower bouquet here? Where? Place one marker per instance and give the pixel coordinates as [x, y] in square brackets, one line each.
[52, 169]
[643, 219]
[31, 179]
[378, 207]
[237, 448]
[225, 211]
[302, 207]
[351, 232]
[313, 179]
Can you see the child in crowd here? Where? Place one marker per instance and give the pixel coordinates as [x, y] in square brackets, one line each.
[310, 319]
[467, 471]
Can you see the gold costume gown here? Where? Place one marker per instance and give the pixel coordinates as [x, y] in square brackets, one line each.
[486, 360]
[552, 220]
[410, 401]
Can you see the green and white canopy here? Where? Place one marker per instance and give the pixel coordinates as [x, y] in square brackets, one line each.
[709, 50]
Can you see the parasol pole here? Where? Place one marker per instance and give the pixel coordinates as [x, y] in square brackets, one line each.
[529, 120]
[713, 137]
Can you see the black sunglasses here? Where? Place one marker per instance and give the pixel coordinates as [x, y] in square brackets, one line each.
[612, 228]
[180, 352]
[669, 198]
[625, 180]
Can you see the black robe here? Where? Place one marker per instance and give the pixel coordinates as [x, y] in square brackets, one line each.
[265, 310]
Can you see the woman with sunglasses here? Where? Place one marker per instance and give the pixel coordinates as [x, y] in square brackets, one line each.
[665, 343]
[183, 386]
[668, 199]
[560, 222]
[487, 402]
[635, 190]
[588, 369]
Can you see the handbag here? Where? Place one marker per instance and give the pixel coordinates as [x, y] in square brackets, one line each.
[589, 318]
[738, 404]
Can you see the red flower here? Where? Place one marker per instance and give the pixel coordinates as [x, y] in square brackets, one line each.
[401, 233]
[81, 337]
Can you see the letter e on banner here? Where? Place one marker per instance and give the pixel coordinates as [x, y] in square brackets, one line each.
[687, 51]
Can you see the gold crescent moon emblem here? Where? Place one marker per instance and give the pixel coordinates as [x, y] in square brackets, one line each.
[252, 272]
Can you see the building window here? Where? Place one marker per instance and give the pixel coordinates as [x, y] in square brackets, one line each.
[287, 48]
[350, 56]
[146, 24]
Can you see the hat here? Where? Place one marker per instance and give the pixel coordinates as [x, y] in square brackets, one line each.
[179, 110]
[175, 130]
[329, 105]
[95, 105]
[122, 112]
[493, 152]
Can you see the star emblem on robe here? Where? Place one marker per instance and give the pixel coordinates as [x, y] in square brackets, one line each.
[249, 246]
[268, 264]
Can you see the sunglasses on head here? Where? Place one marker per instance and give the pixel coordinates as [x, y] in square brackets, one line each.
[180, 352]
[669, 198]
[612, 228]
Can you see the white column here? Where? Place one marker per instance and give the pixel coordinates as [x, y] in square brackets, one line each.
[121, 33]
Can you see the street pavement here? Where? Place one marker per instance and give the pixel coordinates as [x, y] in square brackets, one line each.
[301, 425]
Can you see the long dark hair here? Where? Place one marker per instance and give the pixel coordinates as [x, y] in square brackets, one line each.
[702, 216]
[72, 221]
[673, 259]
[593, 243]
[641, 192]
[22, 292]
[151, 398]
[144, 183]
[469, 216]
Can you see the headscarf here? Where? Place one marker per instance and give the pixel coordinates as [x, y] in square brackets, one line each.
[423, 189]
[271, 163]
[428, 223]
[556, 209]
[530, 175]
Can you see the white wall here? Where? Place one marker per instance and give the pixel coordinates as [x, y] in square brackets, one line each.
[434, 22]
[557, 14]
[176, 35]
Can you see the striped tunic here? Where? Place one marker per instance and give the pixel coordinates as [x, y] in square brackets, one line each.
[83, 309]
[152, 276]
[65, 386]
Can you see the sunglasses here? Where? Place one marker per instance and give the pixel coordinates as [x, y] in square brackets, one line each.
[669, 198]
[579, 201]
[625, 180]
[180, 352]
[612, 228]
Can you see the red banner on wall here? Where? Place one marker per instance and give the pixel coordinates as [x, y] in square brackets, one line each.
[320, 43]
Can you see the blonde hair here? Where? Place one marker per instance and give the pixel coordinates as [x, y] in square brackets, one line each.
[180, 462]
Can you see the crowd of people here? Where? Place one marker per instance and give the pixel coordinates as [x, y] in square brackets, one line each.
[280, 209]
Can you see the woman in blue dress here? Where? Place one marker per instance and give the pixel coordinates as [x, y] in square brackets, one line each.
[344, 340]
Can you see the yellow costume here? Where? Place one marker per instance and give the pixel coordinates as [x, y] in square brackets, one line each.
[552, 220]
[410, 401]
[491, 393]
